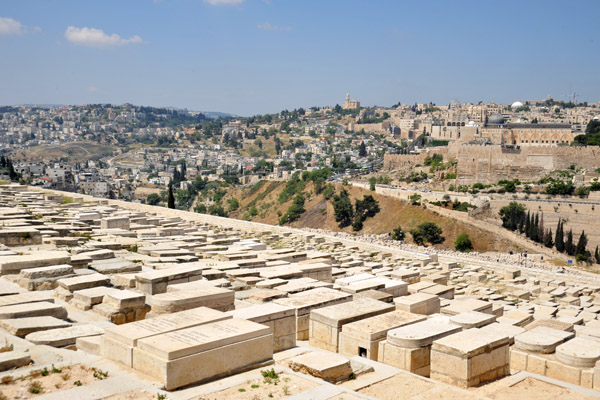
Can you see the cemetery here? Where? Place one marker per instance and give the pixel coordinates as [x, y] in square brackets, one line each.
[104, 299]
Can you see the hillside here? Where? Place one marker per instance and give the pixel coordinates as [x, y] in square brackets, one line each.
[73, 151]
[320, 215]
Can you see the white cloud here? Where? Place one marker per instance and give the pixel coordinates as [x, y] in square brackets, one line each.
[223, 2]
[9, 26]
[268, 27]
[93, 37]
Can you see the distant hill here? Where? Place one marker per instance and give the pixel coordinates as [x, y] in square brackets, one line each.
[217, 114]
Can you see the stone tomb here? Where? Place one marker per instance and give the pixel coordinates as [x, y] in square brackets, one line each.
[409, 347]
[323, 365]
[362, 338]
[470, 357]
[472, 319]
[154, 282]
[541, 339]
[122, 306]
[204, 352]
[67, 286]
[204, 296]
[467, 304]
[418, 303]
[309, 300]
[326, 323]
[22, 327]
[14, 264]
[281, 320]
[62, 337]
[118, 342]
[579, 352]
[44, 278]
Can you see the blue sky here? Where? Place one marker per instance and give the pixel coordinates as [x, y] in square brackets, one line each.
[258, 56]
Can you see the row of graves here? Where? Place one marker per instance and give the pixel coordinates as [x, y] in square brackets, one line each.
[185, 303]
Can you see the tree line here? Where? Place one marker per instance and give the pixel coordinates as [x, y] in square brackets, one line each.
[515, 218]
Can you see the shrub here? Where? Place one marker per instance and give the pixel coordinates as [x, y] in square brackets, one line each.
[294, 211]
[427, 232]
[328, 191]
[35, 387]
[234, 204]
[342, 208]
[398, 234]
[463, 243]
[512, 215]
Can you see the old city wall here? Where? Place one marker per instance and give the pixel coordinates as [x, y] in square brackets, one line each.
[489, 164]
[399, 161]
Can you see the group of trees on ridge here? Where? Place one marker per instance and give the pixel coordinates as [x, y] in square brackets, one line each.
[515, 218]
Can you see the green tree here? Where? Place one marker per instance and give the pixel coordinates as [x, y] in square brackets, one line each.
[171, 198]
[367, 207]
[512, 215]
[569, 246]
[559, 239]
[319, 183]
[12, 174]
[581, 248]
[342, 209]
[328, 191]
[234, 204]
[463, 243]
[548, 242]
[415, 199]
[560, 188]
[427, 232]
[597, 255]
[535, 228]
[372, 182]
[357, 224]
[362, 151]
[217, 209]
[294, 211]
[153, 199]
[398, 233]
[200, 208]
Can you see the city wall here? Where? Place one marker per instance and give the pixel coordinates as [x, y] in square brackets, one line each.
[490, 163]
[399, 161]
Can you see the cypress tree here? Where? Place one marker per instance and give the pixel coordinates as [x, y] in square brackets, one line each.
[548, 239]
[528, 225]
[569, 246]
[171, 198]
[559, 239]
[11, 171]
[541, 231]
[534, 228]
[597, 255]
[581, 244]
[522, 224]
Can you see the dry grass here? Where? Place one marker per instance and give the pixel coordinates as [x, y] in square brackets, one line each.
[319, 214]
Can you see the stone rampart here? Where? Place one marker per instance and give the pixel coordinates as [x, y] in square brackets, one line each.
[489, 164]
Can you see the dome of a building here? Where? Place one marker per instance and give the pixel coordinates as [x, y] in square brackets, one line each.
[516, 104]
[454, 103]
[496, 119]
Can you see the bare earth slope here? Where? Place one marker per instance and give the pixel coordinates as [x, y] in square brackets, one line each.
[319, 215]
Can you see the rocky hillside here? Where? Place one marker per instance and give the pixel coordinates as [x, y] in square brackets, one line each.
[261, 203]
